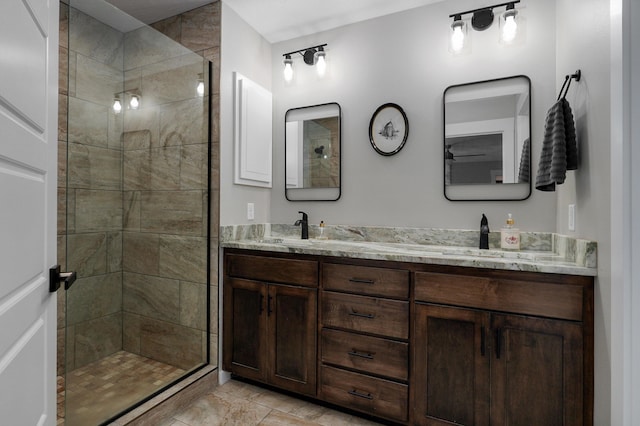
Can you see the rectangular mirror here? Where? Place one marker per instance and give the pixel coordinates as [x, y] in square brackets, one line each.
[312, 153]
[487, 129]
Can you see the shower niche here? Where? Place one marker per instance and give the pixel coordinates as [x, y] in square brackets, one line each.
[134, 211]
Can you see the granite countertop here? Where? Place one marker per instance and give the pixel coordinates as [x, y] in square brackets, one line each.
[541, 252]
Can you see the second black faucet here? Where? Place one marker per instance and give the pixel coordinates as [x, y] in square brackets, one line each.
[304, 222]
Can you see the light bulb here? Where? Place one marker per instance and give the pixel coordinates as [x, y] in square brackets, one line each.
[321, 66]
[134, 103]
[509, 28]
[457, 38]
[200, 88]
[117, 106]
[288, 69]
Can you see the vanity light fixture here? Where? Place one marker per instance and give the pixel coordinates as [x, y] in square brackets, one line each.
[482, 19]
[120, 100]
[134, 102]
[288, 68]
[117, 105]
[200, 85]
[510, 25]
[458, 29]
[314, 55]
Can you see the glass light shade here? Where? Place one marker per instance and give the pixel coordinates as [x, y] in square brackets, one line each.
[134, 103]
[321, 64]
[117, 106]
[509, 27]
[288, 69]
[457, 36]
[200, 88]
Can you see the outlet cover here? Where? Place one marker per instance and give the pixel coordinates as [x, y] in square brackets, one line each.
[572, 217]
[251, 211]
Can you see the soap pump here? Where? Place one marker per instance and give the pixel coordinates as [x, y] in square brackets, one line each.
[510, 236]
[322, 236]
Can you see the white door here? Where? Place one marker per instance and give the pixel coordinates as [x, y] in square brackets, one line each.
[28, 157]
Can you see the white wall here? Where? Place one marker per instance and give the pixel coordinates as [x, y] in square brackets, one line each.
[589, 187]
[245, 51]
[404, 58]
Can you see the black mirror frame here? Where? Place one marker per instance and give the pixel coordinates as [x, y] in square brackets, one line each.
[444, 137]
[286, 195]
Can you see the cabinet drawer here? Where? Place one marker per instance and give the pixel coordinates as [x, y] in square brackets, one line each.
[365, 353]
[366, 280]
[373, 396]
[524, 297]
[366, 314]
[272, 269]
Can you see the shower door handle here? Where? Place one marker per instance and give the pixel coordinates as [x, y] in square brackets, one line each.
[56, 278]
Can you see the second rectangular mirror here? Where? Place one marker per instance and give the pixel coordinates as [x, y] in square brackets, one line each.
[487, 140]
[312, 153]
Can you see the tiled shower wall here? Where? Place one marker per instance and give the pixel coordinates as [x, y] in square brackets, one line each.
[199, 30]
[149, 280]
[165, 202]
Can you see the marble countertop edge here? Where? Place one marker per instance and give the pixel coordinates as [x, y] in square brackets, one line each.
[529, 261]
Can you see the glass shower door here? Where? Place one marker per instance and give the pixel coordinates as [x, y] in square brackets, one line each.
[137, 213]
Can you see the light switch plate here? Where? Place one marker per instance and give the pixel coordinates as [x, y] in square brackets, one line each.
[250, 211]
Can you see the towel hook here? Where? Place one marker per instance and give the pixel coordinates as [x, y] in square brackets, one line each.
[567, 81]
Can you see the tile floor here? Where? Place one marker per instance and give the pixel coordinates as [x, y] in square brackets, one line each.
[243, 404]
[116, 381]
[108, 386]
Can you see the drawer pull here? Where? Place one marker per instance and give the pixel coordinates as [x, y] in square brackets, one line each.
[361, 395]
[361, 281]
[358, 314]
[360, 354]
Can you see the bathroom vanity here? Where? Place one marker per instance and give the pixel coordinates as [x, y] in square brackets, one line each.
[425, 339]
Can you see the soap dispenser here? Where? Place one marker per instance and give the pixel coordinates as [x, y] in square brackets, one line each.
[322, 236]
[510, 236]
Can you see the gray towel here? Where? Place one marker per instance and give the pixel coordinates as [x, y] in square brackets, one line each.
[559, 147]
[525, 159]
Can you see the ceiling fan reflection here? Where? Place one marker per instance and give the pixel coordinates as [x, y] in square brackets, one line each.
[448, 155]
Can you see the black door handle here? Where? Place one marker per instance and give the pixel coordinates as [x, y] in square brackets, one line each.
[56, 278]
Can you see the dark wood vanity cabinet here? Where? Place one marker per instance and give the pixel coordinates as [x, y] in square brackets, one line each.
[270, 322]
[476, 366]
[413, 343]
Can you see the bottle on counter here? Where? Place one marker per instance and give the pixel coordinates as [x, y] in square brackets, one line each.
[510, 236]
[321, 235]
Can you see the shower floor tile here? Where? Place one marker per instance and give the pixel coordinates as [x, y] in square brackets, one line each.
[108, 386]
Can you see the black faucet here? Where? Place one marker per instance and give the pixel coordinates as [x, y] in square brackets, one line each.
[305, 225]
[484, 233]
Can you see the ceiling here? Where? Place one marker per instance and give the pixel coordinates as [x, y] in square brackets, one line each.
[278, 20]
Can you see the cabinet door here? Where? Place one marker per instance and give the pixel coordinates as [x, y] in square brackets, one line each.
[451, 366]
[245, 328]
[536, 372]
[292, 338]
